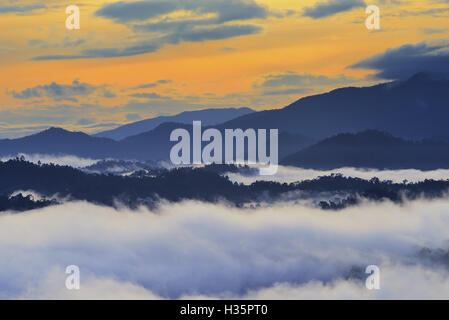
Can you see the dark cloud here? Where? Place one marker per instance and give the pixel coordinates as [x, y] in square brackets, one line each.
[20, 9]
[226, 10]
[170, 31]
[67, 42]
[135, 11]
[409, 59]
[331, 7]
[172, 26]
[186, 35]
[153, 84]
[145, 95]
[141, 48]
[212, 33]
[62, 92]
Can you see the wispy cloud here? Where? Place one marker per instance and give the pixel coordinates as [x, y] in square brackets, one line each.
[143, 10]
[406, 60]
[208, 21]
[296, 83]
[21, 9]
[332, 7]
[62, 92]
[152, 84]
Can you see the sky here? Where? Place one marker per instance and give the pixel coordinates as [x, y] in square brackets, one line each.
[133, 60]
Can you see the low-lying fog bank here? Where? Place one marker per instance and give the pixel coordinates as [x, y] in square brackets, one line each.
[193, 249]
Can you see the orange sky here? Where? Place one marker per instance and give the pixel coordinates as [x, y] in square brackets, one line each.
[204, 74]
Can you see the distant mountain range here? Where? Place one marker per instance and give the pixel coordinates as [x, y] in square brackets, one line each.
[372, 149]
[152, 145]
[208, 117]
[417, 108]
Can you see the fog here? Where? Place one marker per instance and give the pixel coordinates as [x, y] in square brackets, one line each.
[292, 174]
[197, 250]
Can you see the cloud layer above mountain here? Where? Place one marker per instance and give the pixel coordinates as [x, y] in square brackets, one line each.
[401, 62]
[194, 249]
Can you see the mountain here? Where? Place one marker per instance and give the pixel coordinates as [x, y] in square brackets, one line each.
[152, 145]
[413, 109]
[208, 117]
[416, 108]
[371, 149]
[58, 141]
[156, 144]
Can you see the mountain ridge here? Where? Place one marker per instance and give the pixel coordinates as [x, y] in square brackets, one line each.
[371, 149]
[209, 117]
[415, 108]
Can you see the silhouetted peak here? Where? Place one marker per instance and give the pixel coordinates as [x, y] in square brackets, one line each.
[59, 133]
[56, 130]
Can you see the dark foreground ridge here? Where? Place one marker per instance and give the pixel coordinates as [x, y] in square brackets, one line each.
[372, 149]
[204, 184]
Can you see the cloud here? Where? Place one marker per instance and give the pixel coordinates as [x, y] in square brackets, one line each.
[20, 9]
[133, 50]
[404, 61]
[85, 122]
[212, 33]
[152, 84]
[286, 92]
[62, 92]
[433, 30]
[146, 95]
[226, 10]
[192, 249]
[292, 174]
[67, 42]
[188, 35]
[398, 277]
[207, 20]
[228, 49]
[332, 7]
[135, 11]
[295, 83]
[133, 117]
[290, 78]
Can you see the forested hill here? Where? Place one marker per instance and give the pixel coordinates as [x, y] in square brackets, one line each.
[198, 184]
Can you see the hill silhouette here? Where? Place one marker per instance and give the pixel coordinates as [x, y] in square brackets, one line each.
[58, 141]
[416, 108]
[209, 117]
[413, 109]
[152, 145]
[203, 184]
[372, 149]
